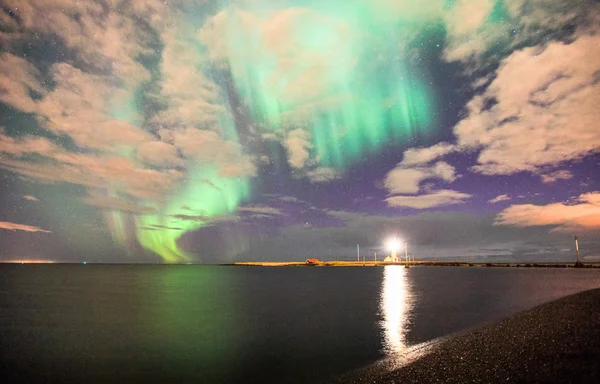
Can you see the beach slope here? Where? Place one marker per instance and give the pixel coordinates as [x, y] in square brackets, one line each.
[557, 342]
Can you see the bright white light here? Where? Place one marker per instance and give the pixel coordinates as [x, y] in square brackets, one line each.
[393, 245]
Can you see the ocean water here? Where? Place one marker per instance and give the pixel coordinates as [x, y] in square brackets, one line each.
[217, 324]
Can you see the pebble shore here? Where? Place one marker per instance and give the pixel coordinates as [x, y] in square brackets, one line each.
[557, 342]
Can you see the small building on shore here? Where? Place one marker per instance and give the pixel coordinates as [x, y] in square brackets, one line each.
[312, 261]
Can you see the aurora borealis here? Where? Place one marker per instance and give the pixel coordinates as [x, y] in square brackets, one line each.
[192, 131]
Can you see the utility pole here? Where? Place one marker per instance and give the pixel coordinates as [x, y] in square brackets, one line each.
[358, 253]
[375, 256]
[579, 263]
[406, 250]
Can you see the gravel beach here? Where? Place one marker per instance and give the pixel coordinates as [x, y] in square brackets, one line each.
[557, 342]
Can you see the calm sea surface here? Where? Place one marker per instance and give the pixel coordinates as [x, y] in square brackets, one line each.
[209, 324]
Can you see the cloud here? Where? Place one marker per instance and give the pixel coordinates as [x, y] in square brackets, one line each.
[18, 79]
[105, 37]
[480, 32]
[469, 34]
[262, 210]
[323, 175]
[25, 145]
[583, 214]
[116, 204]
[435, 199]
[106, 172]
[208, 146]
[555, 176]
[543, 107]
[302, 75]
[80, 106]
[499, 198]
[415, 167]
[450, 235]
[407, 180]
[191, 98]
[297, 145]
[159, 154]
[30, 198]
[424, 155]
[20, 227]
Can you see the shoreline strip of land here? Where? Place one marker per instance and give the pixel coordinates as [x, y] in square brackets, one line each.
[411, 264]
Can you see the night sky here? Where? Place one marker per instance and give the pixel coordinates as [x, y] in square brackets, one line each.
[220, 131]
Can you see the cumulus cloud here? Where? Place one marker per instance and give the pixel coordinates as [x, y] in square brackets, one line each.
[543, 107]
[499, 198]
[297, 145]
[20, 227]
[435, 199]
[555, 176]
[407, 180]
[416, 167]
[583, 214]
[420, 156]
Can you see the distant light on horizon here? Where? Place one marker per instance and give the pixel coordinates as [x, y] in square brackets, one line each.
[28, 261]
[393, 244]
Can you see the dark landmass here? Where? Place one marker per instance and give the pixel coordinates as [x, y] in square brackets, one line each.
[558, 342]
[410, 264]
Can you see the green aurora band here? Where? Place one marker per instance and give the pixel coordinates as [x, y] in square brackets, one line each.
[336, 72]
[203, 199]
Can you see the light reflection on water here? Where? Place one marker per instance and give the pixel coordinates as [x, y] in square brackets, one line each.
[396, 302]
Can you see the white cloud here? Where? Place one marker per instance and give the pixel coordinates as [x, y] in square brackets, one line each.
[297, 145]
[208, 146]
[159, 154]
[105, 37]
[80, 106]
[419, 156]
[408, 180]
[435, 199]
[18, 147]
[555, 176]
[20, 227]
[417, 167]
[323, 175]
[545, 113]
[499, 198]
[18, 78]
[583, 214]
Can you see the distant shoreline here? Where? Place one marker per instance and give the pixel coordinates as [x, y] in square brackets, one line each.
[410, 264]
[595, 265]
